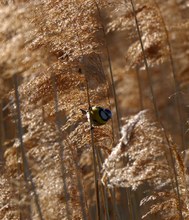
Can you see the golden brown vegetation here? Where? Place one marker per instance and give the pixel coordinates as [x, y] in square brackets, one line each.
[60, 56]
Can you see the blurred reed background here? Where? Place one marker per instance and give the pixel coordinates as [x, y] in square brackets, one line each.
[58, 56]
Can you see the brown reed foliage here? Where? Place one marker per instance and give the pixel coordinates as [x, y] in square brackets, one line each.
[152, 31]
[142, 157]
[55, 50]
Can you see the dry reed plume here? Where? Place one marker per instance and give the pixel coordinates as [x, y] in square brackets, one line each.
[58, 57]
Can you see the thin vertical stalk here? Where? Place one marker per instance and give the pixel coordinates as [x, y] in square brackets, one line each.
[175, 177]
[108, 91]
[145, 59]
[91, 134]
[155, 105]
[115, 100]
[2, 135]
[19, 171]
[99, 158]
[139, 89]
[116, 211]
[111, 71]
[176, 85]
[94, 157]
[83, 202]
[27, 174]
[112, 193]
[93, 146]
[61, 147]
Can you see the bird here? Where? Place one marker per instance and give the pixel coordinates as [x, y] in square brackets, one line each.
[99, 115]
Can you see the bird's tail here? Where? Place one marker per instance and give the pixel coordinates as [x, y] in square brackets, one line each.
[83, 111]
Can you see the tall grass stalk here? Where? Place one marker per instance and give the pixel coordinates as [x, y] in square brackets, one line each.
[145, 60]
[27, 174]
[2, 134]
[61, 147]
[19, 172]
[109, 95]
[91, 130]
[94, 157]
[111, 71]
[83, 202]
[115, 98]
[155, 105]
[45, 140]
[92, 144]
[176, 85]
[103, 189]
[112, 193]
[139, 88]
[112, 85]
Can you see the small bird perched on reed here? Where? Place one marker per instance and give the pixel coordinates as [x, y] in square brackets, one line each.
[99, 115]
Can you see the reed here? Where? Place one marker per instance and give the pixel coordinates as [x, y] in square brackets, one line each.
[58, 57]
